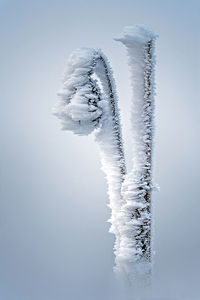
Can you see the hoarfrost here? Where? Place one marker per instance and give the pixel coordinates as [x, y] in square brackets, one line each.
[84, 107]
[88, 105]
[134, 254]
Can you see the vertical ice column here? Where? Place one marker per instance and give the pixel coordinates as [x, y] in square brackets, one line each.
[134, 255]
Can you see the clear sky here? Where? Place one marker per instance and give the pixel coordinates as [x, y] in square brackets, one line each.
[54, 237]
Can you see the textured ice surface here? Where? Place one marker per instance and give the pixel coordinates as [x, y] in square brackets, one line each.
[134, 253]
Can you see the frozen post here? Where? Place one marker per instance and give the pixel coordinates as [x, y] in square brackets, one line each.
[134, 256]
[88, 103]
[85, 107]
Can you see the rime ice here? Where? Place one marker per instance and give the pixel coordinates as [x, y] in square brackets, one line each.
[85, 106]
[134, 255]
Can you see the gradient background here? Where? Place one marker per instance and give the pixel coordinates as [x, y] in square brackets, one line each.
[54, 240]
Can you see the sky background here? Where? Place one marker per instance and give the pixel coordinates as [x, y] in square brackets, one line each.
[54, 240]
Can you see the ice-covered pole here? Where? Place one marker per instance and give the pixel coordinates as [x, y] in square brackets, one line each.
[88, 102]
[134, 255]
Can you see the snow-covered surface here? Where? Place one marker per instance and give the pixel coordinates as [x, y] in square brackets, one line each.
[138, 34]
[134, 255]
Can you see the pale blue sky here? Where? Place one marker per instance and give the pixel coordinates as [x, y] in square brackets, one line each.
[54, 237]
